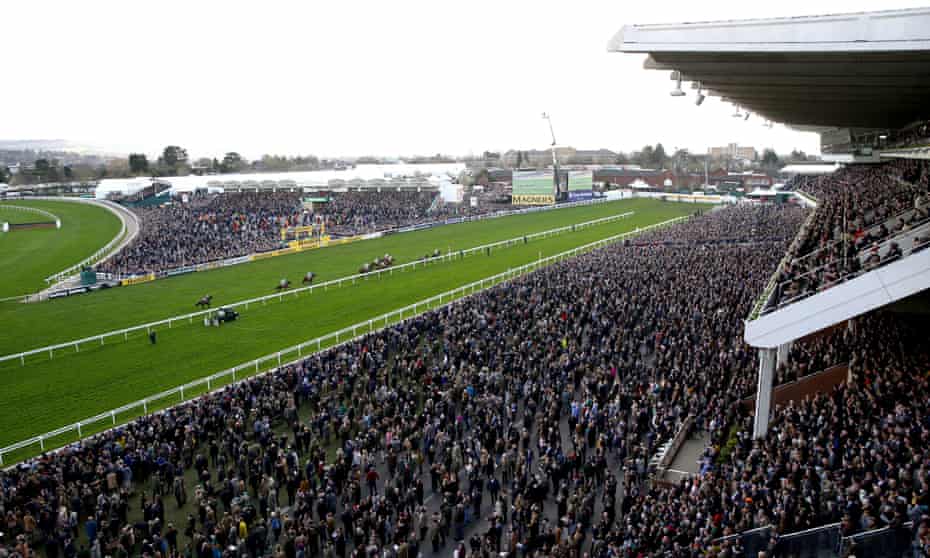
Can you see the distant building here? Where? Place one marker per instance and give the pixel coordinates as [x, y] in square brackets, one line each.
[734, 151]
[746, 181]
[541, 158]
[624, 177]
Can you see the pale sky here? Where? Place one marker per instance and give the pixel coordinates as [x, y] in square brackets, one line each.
[383, 77]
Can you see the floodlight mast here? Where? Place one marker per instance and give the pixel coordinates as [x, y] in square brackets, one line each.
[555, 160]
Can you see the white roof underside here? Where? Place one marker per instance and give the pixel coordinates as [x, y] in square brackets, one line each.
[863, 70]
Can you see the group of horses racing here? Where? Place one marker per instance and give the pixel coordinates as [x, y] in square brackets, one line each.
[283, 284]
[383, 262]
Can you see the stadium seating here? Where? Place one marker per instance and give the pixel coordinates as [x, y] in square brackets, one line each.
[867, 216]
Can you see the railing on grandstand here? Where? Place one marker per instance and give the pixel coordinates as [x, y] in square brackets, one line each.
[887, 542]
[838, 243]
[295, 353]
[124, 333]
[847, 272]
[763, 301]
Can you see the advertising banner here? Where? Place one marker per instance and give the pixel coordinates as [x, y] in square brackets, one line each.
[580, 185]
[139, 279]
[180, 271]
[533, 188]
[532, 199]
[580, 195]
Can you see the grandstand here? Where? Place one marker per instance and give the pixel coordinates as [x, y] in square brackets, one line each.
[853, 284]
[751, 380]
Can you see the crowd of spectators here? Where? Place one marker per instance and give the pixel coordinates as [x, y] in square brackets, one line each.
[915, 135]
[744, 223]
[209, 227]
[858, 207]
[856, 455]
[519, 420]
[212, 227]
[352, 213]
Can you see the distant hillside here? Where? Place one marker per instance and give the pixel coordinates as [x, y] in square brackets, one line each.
[53, 145]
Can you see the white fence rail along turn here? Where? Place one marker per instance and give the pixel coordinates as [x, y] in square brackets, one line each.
[93, 258]
[169, 322]
[307, 348]
[27, 209]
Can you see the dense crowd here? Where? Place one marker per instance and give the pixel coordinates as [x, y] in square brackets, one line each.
[858, 208]
[857, 455]
[744, 223]
[364, 212]
[519, 420]
[213, 227]
[208, 228]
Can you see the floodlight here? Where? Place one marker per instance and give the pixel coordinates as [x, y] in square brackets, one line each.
[700, 96]
[677, 92]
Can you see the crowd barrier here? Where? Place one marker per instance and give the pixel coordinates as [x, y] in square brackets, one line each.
[826, 541]
[307, 348]
[169, 322]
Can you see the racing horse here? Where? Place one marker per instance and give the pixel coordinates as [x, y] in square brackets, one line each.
[283, 284]
[308, 278]
[204, 302]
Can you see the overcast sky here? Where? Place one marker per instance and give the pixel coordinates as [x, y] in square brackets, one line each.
[383, 77]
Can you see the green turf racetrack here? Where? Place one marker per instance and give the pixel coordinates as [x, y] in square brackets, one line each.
[28, 256]
[46, 394]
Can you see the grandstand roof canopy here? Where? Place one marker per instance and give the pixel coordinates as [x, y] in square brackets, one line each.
[861, 70]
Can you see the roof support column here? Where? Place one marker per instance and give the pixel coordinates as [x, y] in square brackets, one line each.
[764, 392]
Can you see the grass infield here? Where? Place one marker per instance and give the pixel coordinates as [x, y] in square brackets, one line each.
[28, 256]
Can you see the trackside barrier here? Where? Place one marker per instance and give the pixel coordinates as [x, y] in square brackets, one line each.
[124, 333]
[27, 209]
[307, 348]
[96, 256]
[824, 541]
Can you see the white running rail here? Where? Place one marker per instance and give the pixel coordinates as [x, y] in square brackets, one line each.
[96, 256]
[124, 333]
[27, 209]
[307, 348]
